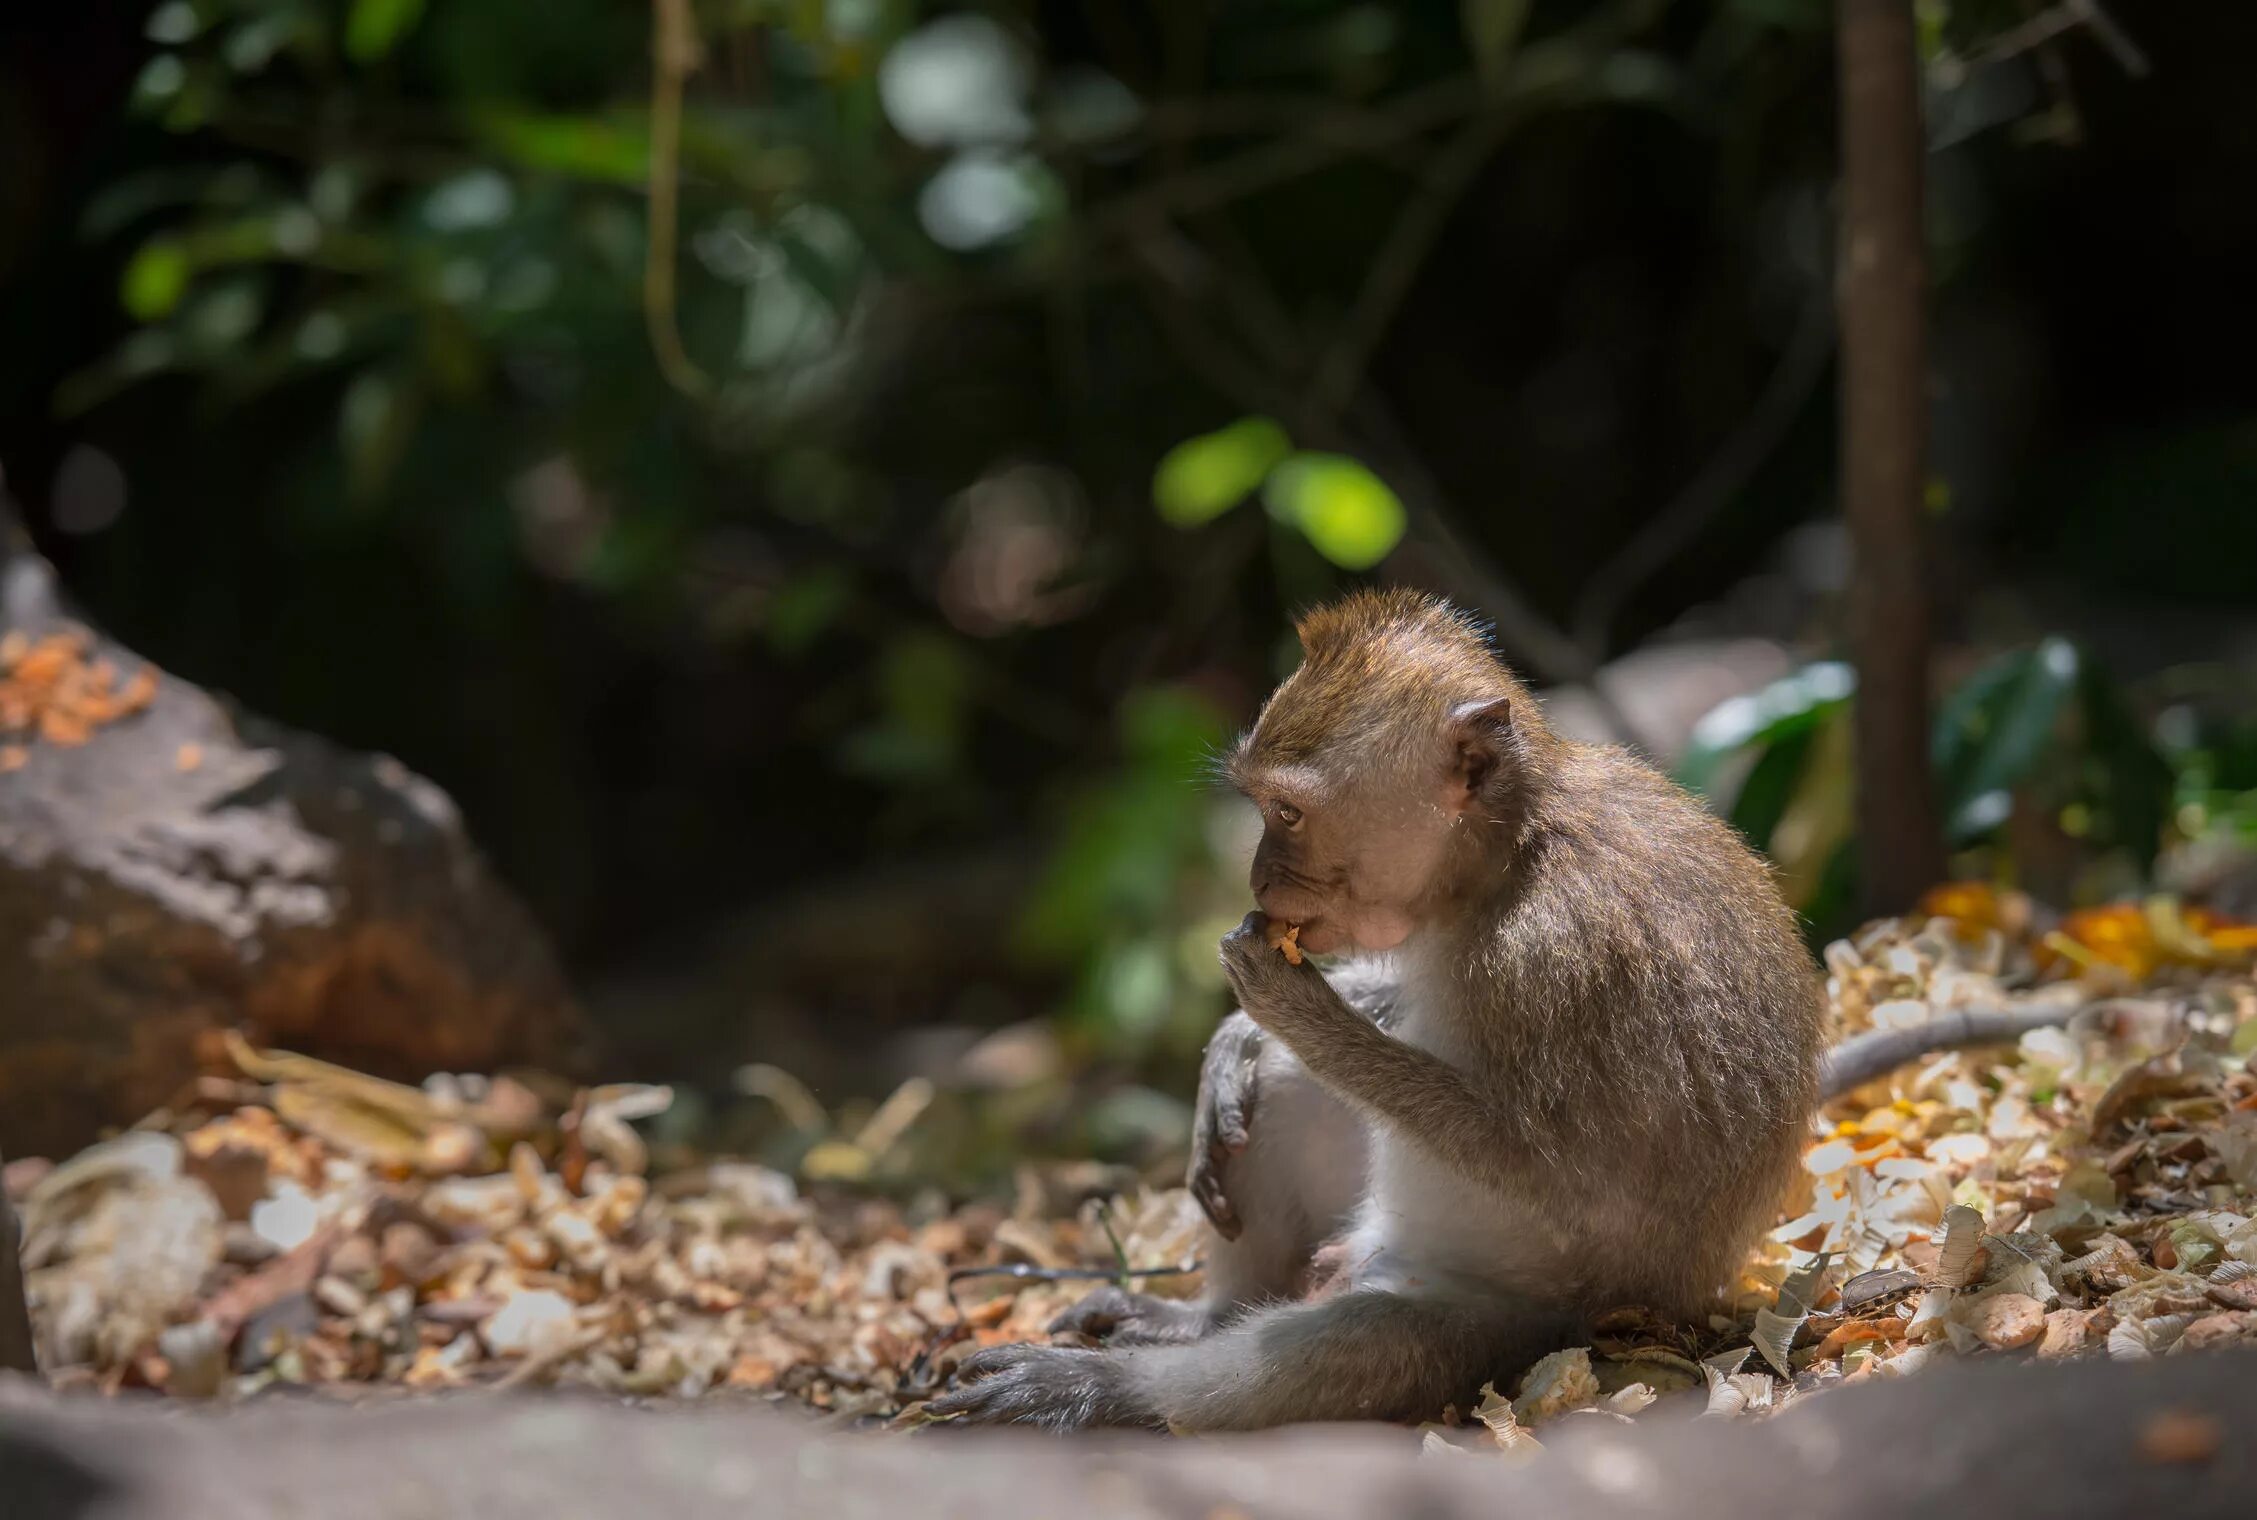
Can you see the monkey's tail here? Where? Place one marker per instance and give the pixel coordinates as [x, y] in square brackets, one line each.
[1874, 1054]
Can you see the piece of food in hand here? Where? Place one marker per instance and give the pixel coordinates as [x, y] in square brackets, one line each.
[1287, 939]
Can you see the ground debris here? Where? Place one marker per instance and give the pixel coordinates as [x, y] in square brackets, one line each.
[350, 1235]
[2088, 1192]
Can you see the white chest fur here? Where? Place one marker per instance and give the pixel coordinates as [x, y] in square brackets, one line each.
[1422, 1219]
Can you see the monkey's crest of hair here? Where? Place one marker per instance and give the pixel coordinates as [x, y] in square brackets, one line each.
[1379, 665]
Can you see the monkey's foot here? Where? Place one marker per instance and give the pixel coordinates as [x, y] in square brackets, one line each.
[1134, 1319]
[1056, 1388]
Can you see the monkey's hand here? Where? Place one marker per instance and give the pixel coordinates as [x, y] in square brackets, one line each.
[1276, 994]
[1223, 1121]
[1121, 1318]
[1049, 1386]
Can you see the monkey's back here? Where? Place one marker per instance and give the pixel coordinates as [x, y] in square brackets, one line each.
[1660, 1022]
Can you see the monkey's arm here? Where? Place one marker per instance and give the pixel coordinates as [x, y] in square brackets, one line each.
[1413, 1091]
[1223, 1115]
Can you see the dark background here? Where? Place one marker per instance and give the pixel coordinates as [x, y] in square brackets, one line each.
[855, 683]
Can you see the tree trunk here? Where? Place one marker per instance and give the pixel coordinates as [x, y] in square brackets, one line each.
[1882, 291]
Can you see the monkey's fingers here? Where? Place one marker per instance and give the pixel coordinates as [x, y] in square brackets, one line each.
[1207, 1192]
[1228, 1076]
[992, 1360]
[1058, 1389]
[1222, 1119]
[1121, 1318]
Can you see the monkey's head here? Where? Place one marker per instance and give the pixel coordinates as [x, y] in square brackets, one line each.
[1380, 767]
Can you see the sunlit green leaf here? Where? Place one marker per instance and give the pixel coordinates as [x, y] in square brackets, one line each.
[155, 280]
[1201, 478]
[375, 27]
[1348, 513]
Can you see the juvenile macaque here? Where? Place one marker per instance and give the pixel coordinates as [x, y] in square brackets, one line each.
[1577, 1079]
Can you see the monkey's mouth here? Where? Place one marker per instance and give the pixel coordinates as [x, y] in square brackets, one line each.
[1316, 936]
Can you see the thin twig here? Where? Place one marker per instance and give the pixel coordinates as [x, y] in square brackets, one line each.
[674, 56]
[1721, 479]
[2049, 25]
[2113, 37]
[1275, 163]
[1531, 638]
[1371, 434]
[1400, 257]
[1027, 1273]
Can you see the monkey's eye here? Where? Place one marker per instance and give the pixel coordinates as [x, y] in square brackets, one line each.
[1288, 815]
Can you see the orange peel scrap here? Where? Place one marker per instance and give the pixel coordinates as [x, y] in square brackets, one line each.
[1287, 939]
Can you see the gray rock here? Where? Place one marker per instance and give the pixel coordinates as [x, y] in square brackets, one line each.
[2172, 1437]
[191, 868]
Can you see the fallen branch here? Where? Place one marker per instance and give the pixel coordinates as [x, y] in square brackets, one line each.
[1867, 1057]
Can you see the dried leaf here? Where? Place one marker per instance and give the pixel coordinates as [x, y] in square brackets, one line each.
[1505, 1429]
[1558, 1383]
[1956, 1265]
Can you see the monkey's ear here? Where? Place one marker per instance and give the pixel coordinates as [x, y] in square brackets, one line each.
[1480, 733]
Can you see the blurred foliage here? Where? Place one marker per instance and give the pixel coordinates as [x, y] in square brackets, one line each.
[1140, 887]
[891, 481]
[550, 322]
[2039, 755]
[1348, 514]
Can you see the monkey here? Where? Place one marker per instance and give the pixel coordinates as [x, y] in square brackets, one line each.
[1305, 1174]
[1571, 1069]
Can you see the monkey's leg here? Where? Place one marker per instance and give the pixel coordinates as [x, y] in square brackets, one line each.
[1367, 1354]
[1292, 1173]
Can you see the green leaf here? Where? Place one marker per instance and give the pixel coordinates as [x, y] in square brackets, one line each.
[1131, 833]
[584, 146]
[1492, 28]
[155, 280]
[924, 689]
[805, 606]
[1991, 735]
[1771, 786]
[1790, 705]
[375, 27]
[1202, 478]
[1348, 513]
